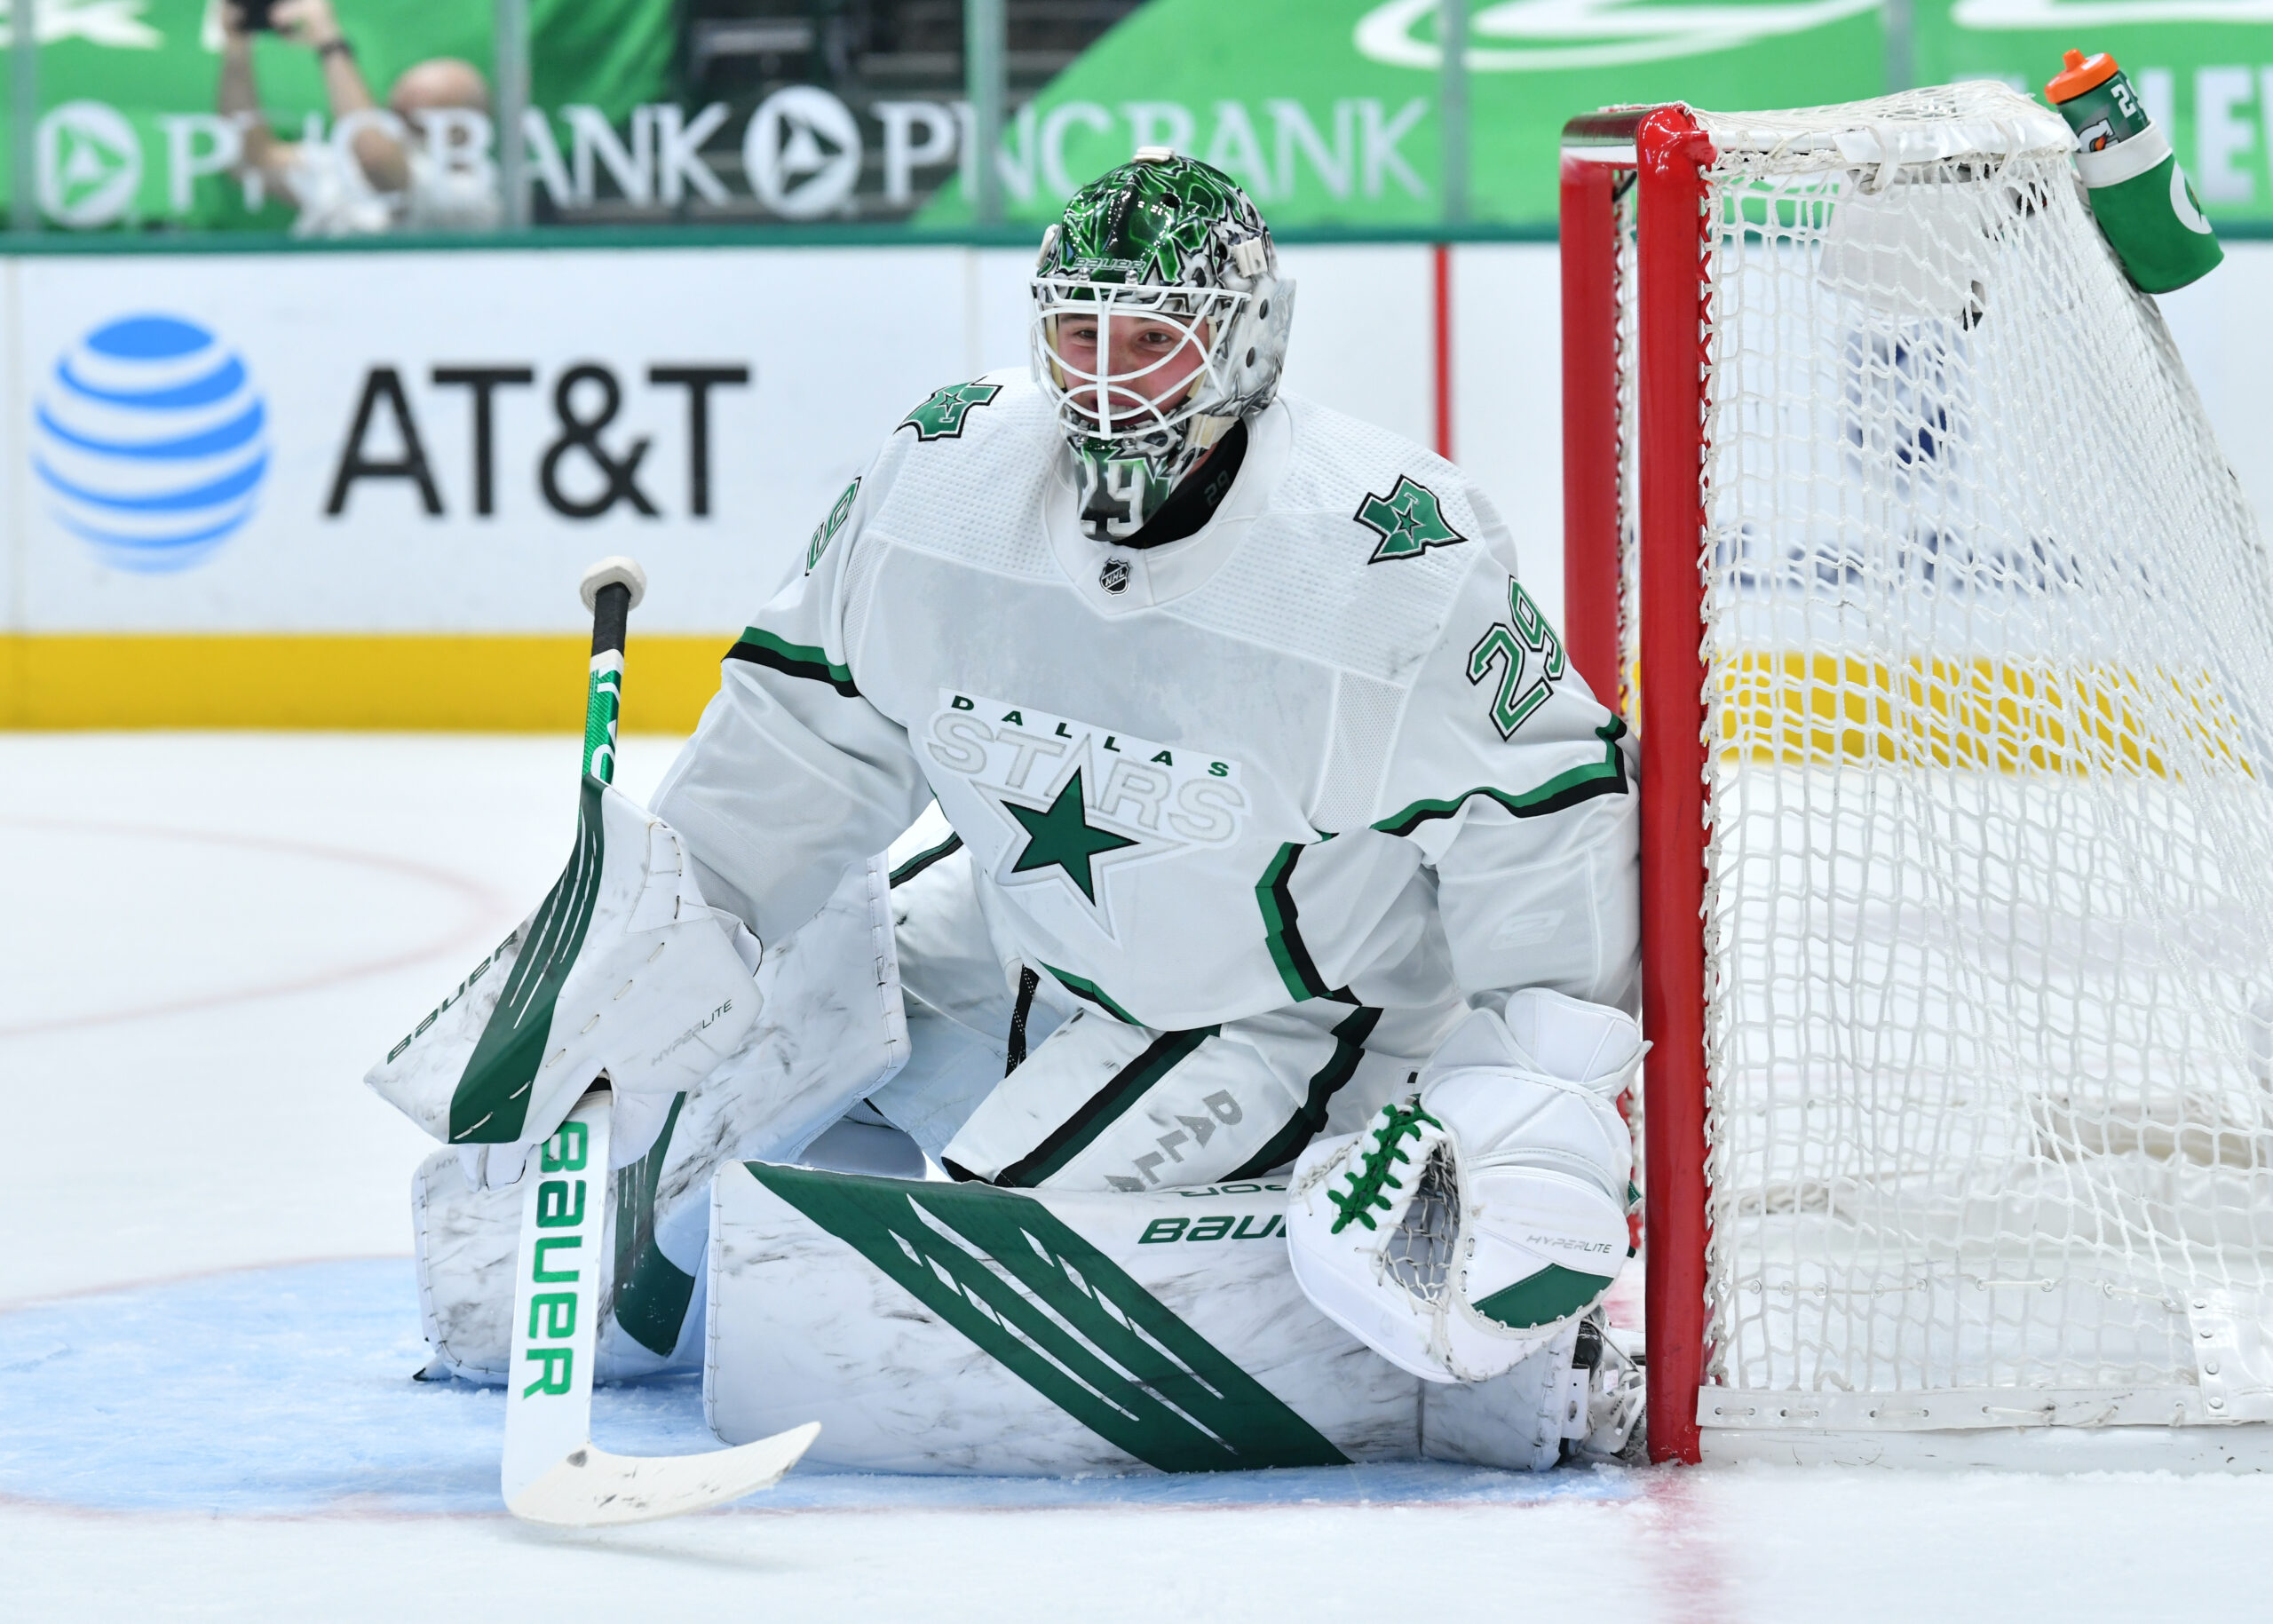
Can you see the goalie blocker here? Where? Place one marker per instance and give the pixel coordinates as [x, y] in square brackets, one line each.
[622, 971]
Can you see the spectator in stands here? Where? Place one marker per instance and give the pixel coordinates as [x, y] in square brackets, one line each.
[422, 163]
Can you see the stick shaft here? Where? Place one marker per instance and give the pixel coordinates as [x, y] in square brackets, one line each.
[604, 695]
[557, 1306]
[550, 1472]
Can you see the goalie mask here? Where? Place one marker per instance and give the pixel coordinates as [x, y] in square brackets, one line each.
[1160, 322]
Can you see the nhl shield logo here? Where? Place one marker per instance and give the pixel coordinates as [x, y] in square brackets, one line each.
[1114, 577]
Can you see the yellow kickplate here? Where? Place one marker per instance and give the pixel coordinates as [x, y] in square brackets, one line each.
[491, 684]
[2007, 715]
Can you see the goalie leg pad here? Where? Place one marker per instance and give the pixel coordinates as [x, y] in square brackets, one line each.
[966, 1327]
[1472, 1222]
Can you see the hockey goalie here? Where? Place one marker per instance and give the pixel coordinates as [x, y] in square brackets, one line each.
[1267, 1011]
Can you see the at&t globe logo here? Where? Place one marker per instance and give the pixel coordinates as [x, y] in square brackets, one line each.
[151, 442]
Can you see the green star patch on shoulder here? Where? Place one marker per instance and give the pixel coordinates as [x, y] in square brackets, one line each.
[940, 418]
[1409, 520]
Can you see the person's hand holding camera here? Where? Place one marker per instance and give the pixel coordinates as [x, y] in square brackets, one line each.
[355, 179]
[307, 22]
[311, 23]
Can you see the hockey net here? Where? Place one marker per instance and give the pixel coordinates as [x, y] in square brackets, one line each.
[1963, 931]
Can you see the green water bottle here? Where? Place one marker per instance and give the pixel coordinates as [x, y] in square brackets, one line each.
[2142, 199]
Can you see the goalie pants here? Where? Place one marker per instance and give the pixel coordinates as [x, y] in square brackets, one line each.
[893, 1000]
[1096, 1103]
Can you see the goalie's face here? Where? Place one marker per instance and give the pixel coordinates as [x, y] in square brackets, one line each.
[1127, 362]
[1127, 367]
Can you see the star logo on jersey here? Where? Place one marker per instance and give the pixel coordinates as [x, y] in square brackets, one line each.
[941, 417]
[1062, 837]
[1409, 521]
[1060, 811]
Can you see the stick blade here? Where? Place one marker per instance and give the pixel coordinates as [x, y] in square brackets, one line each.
[594, 1489]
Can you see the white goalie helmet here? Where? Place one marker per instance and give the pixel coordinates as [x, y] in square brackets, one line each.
[1159, 320]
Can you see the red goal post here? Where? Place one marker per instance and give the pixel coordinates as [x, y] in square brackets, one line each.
[1660, 154]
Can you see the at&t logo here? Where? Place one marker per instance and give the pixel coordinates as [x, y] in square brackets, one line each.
[151, 441]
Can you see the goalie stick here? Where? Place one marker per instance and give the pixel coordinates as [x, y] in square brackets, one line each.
[552, 1473]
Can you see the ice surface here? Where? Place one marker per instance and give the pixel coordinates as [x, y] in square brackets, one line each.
[207, 1324]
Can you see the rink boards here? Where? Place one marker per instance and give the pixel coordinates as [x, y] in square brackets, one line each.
[416, 452]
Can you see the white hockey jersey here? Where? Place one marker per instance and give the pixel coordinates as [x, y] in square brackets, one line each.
[1325, 747]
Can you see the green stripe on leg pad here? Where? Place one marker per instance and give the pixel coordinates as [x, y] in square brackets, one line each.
[1028, 1290]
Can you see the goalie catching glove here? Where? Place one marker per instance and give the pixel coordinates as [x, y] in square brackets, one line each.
[1473, 1220]
[621, 973]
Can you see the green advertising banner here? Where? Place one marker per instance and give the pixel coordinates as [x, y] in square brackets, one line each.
[127, 90]
[2204, 69]
[1326, 109]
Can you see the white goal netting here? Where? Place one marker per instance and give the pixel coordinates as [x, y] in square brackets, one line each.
[1989, 721]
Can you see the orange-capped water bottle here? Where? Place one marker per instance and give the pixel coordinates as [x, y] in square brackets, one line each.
[2142, 199]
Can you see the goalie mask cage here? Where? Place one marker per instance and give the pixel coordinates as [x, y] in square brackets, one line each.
[1955, 647]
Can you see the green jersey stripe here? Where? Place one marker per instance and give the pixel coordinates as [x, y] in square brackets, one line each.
[1563, 790]
[793, 660]
[1104, 1108]
[922, 861]
[1286, 1145]
[1065, 1318]
[1280, 930]
[1082, 987]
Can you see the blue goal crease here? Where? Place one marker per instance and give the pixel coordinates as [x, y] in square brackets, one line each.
[286, 1392]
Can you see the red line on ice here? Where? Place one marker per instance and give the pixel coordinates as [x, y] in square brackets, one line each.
[485, 903]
